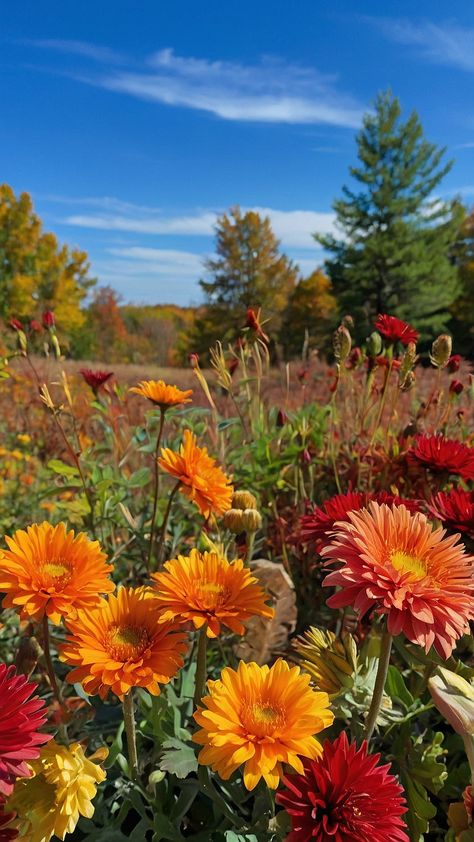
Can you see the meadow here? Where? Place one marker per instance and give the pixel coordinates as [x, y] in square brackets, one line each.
[237, 601]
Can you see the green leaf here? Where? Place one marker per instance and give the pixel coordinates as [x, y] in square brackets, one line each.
[139, 478]
[180, 759]
[62, 469]
[396, 688]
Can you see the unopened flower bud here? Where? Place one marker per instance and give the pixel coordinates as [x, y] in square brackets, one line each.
[306, 457]
[48, 319]
[16, 324]
[243, 500]
[342, 343]
[193, 360]
[233, 521]
[282, 418]
[251, 520]
[454, 698]
[374, 344]
[455, 387]
[348, 321]
[441, 350]
[409, 381]
[454, 363]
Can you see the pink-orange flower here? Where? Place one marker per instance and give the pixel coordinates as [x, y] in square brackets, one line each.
[396, 564]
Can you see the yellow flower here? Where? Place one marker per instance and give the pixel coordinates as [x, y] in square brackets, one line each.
[24, 438]
[201, 479]
[261, 717]
[206, 588]
[63, 785]
[331, 662]
[161, 394]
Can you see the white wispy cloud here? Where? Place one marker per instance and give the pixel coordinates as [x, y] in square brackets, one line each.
[269, 91]
[104, 55]
[441, 43]
[272, 91]
[293, 227]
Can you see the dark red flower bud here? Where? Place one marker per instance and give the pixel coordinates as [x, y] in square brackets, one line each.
[354, 358]
[48, 319]
[455, 387]
[233, 364]
[306, 457]
[282, 418]
[193, 359]
[35, 326]
[15, 324]
[253, 322]
[454, 363]
[95, 379]
[302, 374]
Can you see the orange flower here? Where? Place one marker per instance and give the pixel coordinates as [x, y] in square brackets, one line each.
[395, 563]
[119, 644]
[50, 571]
[201, 479]
[159, 393]
[262, 717]
[206, 588]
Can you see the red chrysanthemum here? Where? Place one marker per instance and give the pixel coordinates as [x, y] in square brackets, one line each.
[95, 379]
[455, 510]
[394, 330]
[344, 796]
[396, 564]
[21, 715]
[316, 527]
[440, 454]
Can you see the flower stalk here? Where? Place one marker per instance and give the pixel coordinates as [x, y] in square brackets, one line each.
[130, 730]
[201, 665]
[382, 670]
[156, 488]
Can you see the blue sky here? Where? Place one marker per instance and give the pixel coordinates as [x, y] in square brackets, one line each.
[133, 123]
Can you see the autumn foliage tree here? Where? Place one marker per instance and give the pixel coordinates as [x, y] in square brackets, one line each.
[105, 327]
[248, 271]
[36, 272]
[309, 315]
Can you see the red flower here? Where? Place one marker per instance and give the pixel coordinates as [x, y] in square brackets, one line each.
[95, 379]
[384, 362]
[20, 718]
[441, 454]
[344, 796]
[282, 418]
[48, 318]
[318, 526]
[233, 365]
[35, 326]
[455, 510]
[15, 324]
[454, 363]
[394, 330]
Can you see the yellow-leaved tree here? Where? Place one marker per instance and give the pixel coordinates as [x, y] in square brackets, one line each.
[36, 272]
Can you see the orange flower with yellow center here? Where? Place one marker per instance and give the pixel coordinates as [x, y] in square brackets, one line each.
[206, 588]
[161, 394]
[120, 644]
[261, 717]
[201, 479]
[395, 563]
[49, 571]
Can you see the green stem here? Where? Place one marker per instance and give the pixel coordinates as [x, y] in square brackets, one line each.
[130, 730]
[382, 401]
[250, 545]
[156, 489]
[161, 539]
[201, 666]
[376, 703]
[49, 664]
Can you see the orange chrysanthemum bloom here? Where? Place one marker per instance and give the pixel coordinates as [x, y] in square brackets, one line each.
[206, 588]
[161, 394]
[262, 717]
[120, 644]
[395, 563]
[201, 479]
[50, 571]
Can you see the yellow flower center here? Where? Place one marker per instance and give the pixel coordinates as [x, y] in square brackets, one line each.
[56, 573]
[406, 563]
[211, 595]
[126, 643]
[262, 718]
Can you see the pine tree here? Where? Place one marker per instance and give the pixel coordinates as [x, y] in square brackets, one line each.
[249, 271]
[394, 256]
